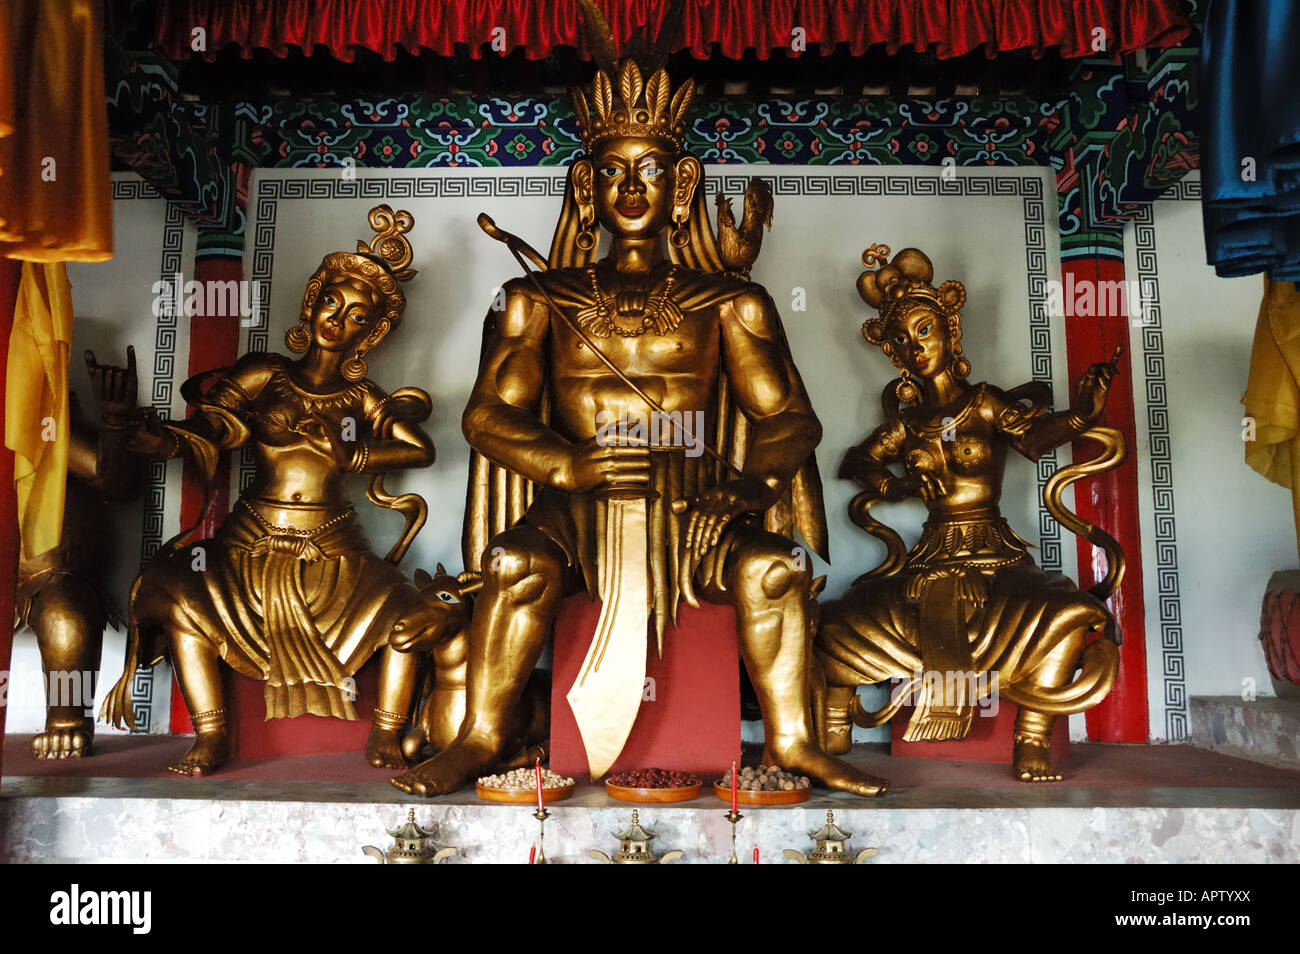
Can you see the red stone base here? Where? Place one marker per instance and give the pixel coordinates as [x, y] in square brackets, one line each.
[254, 736]
[693, 724]
[990, 739]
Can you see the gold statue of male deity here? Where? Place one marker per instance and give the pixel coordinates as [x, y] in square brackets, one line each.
[967, 602]
[654, 332]
[288, 591]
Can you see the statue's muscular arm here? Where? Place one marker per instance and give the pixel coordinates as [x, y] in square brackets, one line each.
[502, 420]
[767, 387]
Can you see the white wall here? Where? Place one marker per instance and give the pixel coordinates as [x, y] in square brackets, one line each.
[1213, 530]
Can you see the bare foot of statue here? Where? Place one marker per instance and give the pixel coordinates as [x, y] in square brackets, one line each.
[384, 748]
[1030, 762]
[63, 741]
[412, 746]
[209, 751]
[454, 767]
[807, 758]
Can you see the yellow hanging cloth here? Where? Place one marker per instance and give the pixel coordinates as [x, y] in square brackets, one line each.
[55, 207]
[55, 203]
[1272, 396]
[36, 403]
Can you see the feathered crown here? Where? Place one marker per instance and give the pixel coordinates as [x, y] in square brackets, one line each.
[645, 107]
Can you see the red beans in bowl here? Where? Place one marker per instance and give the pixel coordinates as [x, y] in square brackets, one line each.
[652, 778]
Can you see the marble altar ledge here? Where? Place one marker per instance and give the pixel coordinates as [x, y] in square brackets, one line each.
[1121, 804]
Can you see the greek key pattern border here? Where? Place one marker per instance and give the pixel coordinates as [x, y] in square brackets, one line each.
[1172, 662]
[164, 365]
[1026, 184]
[1187, 188]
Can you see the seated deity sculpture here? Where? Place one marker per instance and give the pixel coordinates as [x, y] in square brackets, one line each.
[641, 434]
[967, 602]
[288, 591]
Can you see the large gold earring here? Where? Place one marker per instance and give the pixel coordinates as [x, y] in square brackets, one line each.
[680, 236]
[906, 389]
[298, 338]
[958, 364]
[586, 237]
[354, 368]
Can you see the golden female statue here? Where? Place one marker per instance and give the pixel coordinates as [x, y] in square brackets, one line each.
[289, 591]
[967, 602]
[654, 333]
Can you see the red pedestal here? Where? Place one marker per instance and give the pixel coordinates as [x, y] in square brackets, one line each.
[254, 736]
[990, 739]
[693, 722]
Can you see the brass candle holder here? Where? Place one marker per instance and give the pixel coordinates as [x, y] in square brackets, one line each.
[733, 817]
[541, 815]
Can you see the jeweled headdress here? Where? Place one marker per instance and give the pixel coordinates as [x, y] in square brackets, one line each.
[901, 284]
[623, 102]
[384, 265]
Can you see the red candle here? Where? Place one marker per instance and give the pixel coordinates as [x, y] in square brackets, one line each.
[537, 767]
[734, 796]
[532, 854]
[756, 854]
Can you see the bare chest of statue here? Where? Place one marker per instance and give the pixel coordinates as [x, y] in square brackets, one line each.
[959, 445]
[290, 466]
[669, 352]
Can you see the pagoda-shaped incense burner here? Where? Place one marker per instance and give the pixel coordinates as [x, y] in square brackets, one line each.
[634, 847]
[832, 847]
[411, 846]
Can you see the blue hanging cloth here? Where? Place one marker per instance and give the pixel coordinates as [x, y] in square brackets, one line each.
[1250, 75]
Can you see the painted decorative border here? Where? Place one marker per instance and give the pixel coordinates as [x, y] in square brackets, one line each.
[164, 368]
[847, 183]
[1172, 662]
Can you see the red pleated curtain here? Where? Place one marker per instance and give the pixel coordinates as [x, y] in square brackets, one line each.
[949, 27]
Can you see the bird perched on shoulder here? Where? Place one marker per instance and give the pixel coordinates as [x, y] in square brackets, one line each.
[738, 247]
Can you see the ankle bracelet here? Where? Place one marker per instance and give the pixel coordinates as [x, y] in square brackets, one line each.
[383, 719]
[210, 720]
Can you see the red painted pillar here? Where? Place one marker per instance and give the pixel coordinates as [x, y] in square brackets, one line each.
[10, 272]
[214, 343]
[1110, 500]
